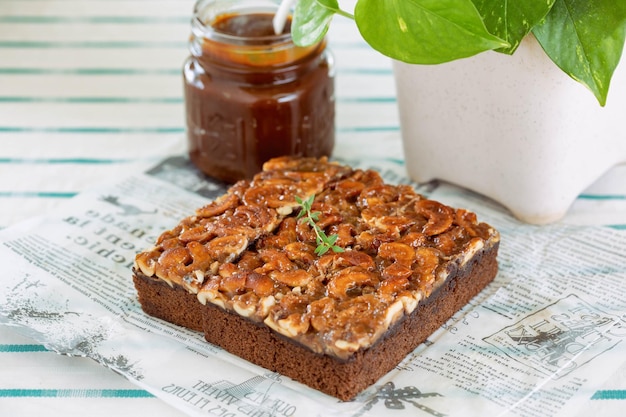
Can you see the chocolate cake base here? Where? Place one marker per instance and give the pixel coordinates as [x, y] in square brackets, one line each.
[172, 304]
[259, 344]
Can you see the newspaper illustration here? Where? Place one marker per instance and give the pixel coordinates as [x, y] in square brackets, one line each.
[533, 343]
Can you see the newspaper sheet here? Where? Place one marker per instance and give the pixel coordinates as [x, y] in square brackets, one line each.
[537, 342]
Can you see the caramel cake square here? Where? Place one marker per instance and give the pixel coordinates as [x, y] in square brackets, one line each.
[321, 272]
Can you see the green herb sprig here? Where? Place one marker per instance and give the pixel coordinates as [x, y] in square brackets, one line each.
[324, 243]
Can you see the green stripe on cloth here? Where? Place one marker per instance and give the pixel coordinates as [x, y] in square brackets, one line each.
[364, 129]
[610, 395]
[157, 100]
[22, 348]
[52, 161]
[98, 129]
[91, 44]
[36, 194]
[366, 71]
[395, 161]
[75, 393]
[602, 197]
[153, 71]
[90, 129]
[91, 100]
[90, 71]
[366, 99]
[96, 19]
[118, 44]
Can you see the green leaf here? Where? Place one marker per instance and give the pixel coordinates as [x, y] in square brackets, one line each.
[512, 20]
[330, 241]
[311, 20]
[330, 4]
[585, 38]
[424, 31]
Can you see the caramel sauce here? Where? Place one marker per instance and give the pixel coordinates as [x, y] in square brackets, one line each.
[250, 98]
[252, 25]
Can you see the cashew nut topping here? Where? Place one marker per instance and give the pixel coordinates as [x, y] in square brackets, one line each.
[248, 253]
[397, 252]
[348, 279]
[439, 217]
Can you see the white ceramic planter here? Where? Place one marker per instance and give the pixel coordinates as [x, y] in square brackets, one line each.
[513, 128]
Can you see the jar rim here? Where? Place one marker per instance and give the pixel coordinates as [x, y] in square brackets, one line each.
[206, 12]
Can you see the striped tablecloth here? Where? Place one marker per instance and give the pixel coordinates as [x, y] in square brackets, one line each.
[90, 91]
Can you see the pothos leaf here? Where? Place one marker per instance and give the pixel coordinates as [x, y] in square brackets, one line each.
[585, 38]
[512, 20]
[330, 4]
[311, 19]
[424, 31]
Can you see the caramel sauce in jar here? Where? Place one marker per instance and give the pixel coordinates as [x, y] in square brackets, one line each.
[252, 95]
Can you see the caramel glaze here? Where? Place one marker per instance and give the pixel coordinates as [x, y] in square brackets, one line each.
[249, 254]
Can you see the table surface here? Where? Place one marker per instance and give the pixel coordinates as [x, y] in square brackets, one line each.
[90, 91]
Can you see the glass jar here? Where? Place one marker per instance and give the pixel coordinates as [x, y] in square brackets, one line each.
[251, 95]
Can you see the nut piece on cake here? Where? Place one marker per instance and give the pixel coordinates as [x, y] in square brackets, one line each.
[244, 270]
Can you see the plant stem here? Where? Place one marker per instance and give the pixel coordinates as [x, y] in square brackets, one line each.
[344, 14]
